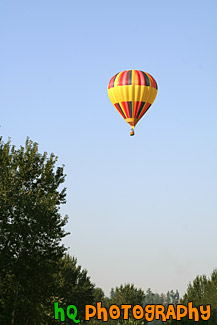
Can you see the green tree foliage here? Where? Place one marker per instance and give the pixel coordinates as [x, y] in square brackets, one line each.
[99, 295]
[170, 297]
[31, 230]
[127, 294]
[203, 291]
[149, 297]
[75, 286]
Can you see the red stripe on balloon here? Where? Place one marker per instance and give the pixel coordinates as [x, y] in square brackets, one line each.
[153, 82]
[118, 107]
[144, 110]
[142, 78]
[120, 79]
[111, 82]
[126, 108]
[136, 78]
[124, 79]
[137, 106]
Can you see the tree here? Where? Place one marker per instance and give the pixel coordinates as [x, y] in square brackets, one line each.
[99, 295]
[127, 295]
[149, 297]
[203, 291]
[75, 287]
[31, 230]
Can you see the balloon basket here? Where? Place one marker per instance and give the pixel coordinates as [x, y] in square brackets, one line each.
[132, 132]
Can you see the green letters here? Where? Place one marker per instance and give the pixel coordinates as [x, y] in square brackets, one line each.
[59, 311]
[72, 315]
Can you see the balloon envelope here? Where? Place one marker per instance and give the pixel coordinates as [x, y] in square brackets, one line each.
[132, 92]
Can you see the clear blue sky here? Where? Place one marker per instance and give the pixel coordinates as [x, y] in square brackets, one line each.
[141, 209]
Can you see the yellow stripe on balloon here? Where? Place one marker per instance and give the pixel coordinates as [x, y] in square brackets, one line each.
[127, 93]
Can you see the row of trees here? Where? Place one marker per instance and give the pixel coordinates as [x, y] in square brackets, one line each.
[35, 269]
[129, 294]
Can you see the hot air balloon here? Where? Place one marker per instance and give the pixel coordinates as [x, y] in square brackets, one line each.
[132, 92]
